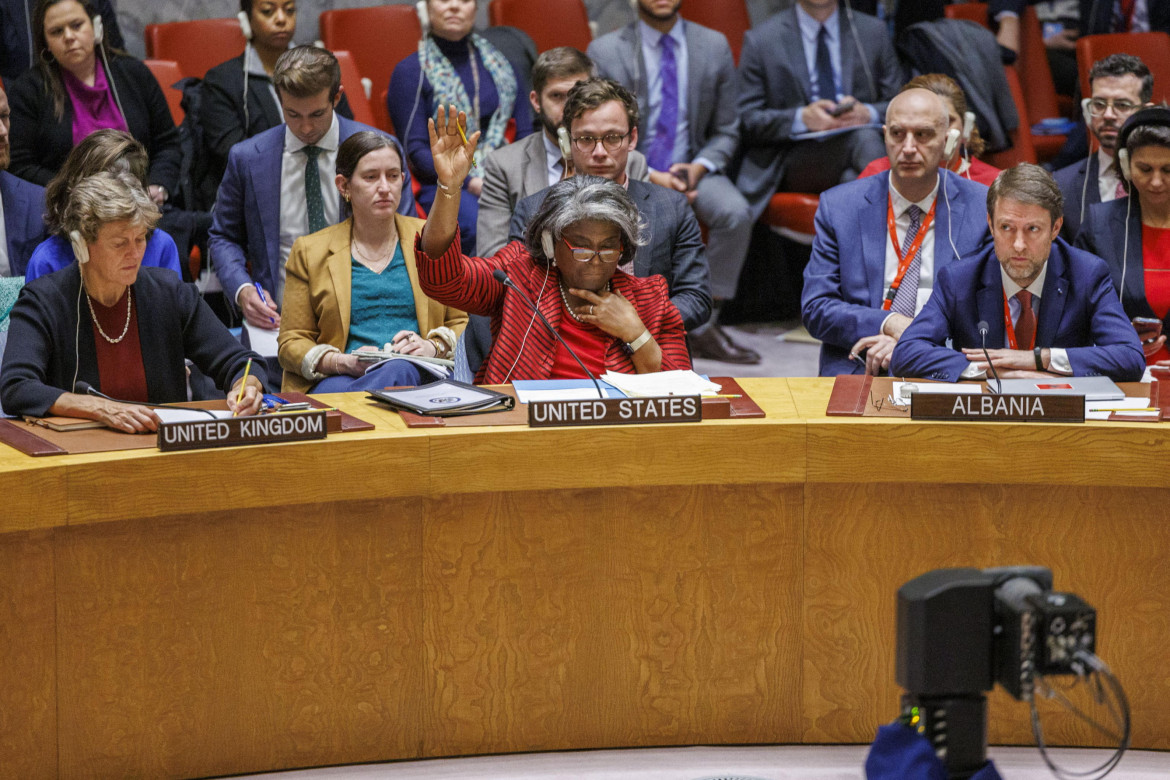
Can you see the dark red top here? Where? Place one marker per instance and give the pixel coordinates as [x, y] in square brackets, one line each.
[120, 367]
[588, 342]
[1156, 264]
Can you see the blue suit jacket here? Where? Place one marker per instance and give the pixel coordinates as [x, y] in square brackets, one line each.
[1104, 234]
[24, 208]
[246, 217]
[673, 249]
[844, 281]
[1079, 311]
[1071, 180]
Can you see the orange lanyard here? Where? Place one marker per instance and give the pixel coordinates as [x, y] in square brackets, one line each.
[1010, 328]
[904, 260]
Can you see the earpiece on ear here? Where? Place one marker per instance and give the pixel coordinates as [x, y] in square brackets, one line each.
[80, 250]
[1085, 111]
[424, 16]
[1123, 163]
[245, 25]
[968, 125]
[548, 245]
[952, 143]
[99, 30]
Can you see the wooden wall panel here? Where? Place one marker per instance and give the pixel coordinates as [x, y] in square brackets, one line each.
[236, 642]
[575, 619]
[28, 694]
[865, 540]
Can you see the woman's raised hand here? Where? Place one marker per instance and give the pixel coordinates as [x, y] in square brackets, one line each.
[452, 157]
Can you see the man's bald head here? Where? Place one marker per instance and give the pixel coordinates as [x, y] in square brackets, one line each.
[915, 133]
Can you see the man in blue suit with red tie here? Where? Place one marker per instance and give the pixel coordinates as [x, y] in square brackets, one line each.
[262, 205]
[1049, 309]
[881, 240]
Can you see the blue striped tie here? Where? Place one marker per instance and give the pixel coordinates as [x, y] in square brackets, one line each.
[906, 299]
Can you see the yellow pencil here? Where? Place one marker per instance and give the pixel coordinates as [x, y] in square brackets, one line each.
[244, 381]
[462, 134]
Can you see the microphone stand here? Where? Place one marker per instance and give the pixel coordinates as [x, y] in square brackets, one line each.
[982, 326]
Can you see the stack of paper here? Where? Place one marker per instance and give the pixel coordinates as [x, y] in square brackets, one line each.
[661, 383]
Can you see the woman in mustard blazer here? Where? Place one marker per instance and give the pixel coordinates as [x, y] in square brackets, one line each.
[354, 285]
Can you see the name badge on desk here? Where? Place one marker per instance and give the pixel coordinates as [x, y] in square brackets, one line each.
[616, 411]
[239, 431]
[998, 408]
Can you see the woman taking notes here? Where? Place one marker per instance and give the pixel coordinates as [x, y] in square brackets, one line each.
[111, 324]
[354, 285]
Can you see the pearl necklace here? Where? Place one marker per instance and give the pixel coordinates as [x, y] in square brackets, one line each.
[565, 298]
[125, 328]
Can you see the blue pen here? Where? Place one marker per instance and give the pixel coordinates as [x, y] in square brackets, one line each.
[263, 300]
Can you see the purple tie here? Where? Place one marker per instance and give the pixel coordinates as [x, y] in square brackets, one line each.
[662, 147]
[906, 299]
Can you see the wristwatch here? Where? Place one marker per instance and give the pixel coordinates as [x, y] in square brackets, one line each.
[1039, 360]
[636, 344]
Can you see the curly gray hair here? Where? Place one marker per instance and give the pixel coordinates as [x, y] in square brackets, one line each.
[107, 197]
[584, 197]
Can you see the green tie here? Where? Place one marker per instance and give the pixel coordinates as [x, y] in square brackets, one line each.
[313, 199]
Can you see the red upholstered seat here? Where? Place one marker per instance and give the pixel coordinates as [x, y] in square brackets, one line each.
[1153, 49]
[167, 72]
[792, 211]
[550, 23]
[729, 17]
[378, 38]
[198, 46]
[355, 92]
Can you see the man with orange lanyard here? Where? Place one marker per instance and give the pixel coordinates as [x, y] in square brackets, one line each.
[1045, 308]
[881, 240]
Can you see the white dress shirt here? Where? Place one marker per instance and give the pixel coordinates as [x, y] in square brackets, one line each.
[294, 211]
[553, 160]
[926, 251]
[1107, 176]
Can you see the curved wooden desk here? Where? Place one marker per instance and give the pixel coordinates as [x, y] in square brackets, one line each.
[399, 594]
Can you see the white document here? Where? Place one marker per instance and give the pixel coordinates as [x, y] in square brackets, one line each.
[187, 415]
[559, 394]
[263, 341]
[1100, 410]
[935, 388]
[661, 383]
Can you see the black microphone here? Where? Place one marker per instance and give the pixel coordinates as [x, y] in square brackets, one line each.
[501, 276]
[982, 326]
[82, 387]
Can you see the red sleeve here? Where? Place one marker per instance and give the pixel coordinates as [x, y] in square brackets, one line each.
[662, 319]
[466, 283]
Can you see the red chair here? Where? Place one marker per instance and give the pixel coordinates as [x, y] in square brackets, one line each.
[378, 38]
[792, 213]
[729, 17]
[167, 72]
[1153, 49]
[355, 91]
[382, 119]
[197, 46]
[1038, 88]
[1022, 149]
[550, 23]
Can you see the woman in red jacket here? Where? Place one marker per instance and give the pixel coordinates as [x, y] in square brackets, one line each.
[568, 264]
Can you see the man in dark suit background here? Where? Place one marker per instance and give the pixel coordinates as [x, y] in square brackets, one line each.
[857, 299]
[1120, 84]
[263, 205]
[22, 205]
[1051, 310]
[784, 72]
[683, 75]
[602, 119]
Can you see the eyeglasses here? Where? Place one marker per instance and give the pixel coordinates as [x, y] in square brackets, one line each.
[582, 255]
[1097, 106]
[612, 142]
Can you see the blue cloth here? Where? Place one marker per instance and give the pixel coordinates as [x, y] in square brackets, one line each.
[24, 205]
[1105, 233]
[1071, 180]
[381, 305]
[409, 102]
[56, 253]
[1079, 311]
[844, 281]
[395, 373]
[246, 219]
[898, 752]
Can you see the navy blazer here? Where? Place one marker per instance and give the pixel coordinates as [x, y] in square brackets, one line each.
[774, 84]
[674, 246]
[1079, 311]
[1104, 234]
[246, 219]
[1071, 180]
[173, 324]
[844, 281]
[24, 225]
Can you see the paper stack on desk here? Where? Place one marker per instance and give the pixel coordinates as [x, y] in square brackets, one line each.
[661, 383]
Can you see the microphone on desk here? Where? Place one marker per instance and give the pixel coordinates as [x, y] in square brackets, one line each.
[982, 326]
[81, 387]
[501, 276]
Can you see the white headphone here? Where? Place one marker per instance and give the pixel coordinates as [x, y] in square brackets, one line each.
[424, 16]
[99, 30]
[80, 250]
[953, 136]
[549, 246]
[245, 25]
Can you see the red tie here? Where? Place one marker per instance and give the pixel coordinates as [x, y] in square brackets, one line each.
[1026, 322]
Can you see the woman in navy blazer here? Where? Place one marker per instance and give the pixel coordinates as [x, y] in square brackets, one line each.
[1133, 234]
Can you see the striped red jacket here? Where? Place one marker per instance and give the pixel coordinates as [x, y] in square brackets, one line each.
[466, 283]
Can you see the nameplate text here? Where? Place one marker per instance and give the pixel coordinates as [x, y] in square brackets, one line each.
[240, 431]
[998, 408]
[616, 411]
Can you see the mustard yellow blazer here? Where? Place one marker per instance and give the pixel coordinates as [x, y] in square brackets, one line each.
[316, 306]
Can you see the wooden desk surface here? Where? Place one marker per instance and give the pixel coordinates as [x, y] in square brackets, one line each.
[405, 593]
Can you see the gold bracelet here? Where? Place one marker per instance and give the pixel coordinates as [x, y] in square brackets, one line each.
[447, 192]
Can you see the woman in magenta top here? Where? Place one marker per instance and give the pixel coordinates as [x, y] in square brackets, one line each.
[1133, 234]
